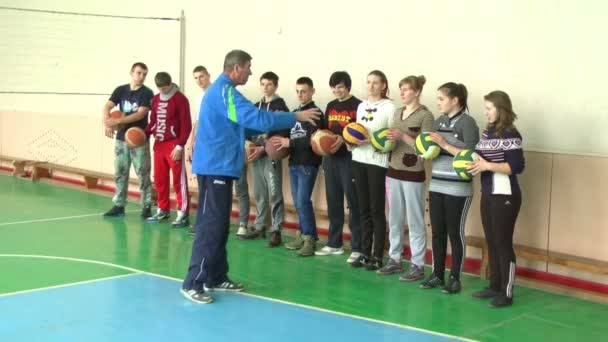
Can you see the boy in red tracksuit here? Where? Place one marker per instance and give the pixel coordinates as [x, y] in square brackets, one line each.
[170, 125]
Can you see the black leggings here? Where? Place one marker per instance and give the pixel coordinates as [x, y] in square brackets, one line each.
[498, 216]
[448, 216]
[371, 193]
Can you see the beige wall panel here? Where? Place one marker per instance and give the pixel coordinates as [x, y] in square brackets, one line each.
[579, 206]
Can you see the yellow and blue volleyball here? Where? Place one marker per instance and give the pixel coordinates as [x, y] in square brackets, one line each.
[355, 132]
[425, 147]
[381, 142]
[461, 162]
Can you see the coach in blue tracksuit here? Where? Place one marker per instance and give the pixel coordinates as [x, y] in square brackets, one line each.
[226, 118]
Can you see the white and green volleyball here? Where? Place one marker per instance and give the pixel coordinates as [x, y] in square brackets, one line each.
[425, 147]
[381, 142]
[461, 162]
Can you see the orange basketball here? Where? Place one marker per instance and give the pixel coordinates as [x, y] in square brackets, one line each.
[321, 142]
[117, 115]
[273, 152]
[135, 137]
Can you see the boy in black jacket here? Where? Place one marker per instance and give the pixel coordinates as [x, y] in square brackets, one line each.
[303, 168]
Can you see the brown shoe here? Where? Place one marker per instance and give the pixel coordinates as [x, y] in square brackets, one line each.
[275, 239]
[254, 234]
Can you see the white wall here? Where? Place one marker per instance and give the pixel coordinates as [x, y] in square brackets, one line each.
[549, 55]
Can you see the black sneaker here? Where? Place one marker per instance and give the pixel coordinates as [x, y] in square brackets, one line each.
[361, 261]
[191, 231]
[414, 274]
[431, 282]
[146, 211]
[453, 286]
[198, 297]
[252, 235]
[374, 264]
[486, 293]
[115, 211]
[500, 301]
[228, 285]
[392, 267]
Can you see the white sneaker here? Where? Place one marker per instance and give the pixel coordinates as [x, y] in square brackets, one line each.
[242, 231]
[353, 256]
[330, 251]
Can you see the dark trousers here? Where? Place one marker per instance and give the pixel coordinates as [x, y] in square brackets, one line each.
[498, 216]
[448, 216]
[209, 261]
[339, 183]
[303, 178]
[371, 192]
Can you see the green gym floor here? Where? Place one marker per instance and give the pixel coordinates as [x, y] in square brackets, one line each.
[52, 236]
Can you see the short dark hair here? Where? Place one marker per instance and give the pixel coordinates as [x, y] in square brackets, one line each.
[162, 79]
[139, 64]
[271, 76]
[200, 68]
[305, 81]
[235, 57]
[340, 77]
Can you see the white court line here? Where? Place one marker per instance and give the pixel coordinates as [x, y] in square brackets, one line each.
[66, 285]
[56, 218]
[137, 271]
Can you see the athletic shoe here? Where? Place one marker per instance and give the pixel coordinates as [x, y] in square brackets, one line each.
[158, 217]
[361, 261]
[254, 234]
[392, 267]
[500, 301]
[115, 211]
[198, 297]
[275, 239]
[486, 293]
[432, 281]
[296, 243]
[453, 286]
[374, 264]
[353, 256]
[146, 211]
[228, 286]
[181, 220]
[415, 273]
[330, 251]
[242, 231]
[191, 231]
[308, 247]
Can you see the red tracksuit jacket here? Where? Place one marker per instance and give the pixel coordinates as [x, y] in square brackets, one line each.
[170, 118]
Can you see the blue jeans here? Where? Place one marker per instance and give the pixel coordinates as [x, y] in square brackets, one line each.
[303, 179]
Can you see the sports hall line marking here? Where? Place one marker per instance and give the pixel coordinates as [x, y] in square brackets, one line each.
[138, 272]
[66, 285]
[56, 218]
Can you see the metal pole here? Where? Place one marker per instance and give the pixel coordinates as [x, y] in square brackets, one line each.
[182, 50]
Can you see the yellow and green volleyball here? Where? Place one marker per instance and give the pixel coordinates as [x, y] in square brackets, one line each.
[381, 142]
[461, 162]
[425, 147]
[355, 132]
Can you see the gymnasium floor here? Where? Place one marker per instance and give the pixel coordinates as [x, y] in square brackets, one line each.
[68, 274]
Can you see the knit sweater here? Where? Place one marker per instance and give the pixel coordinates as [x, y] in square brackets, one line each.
[505, 149]
[461, 131]
[373, 116]
[404, 164]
